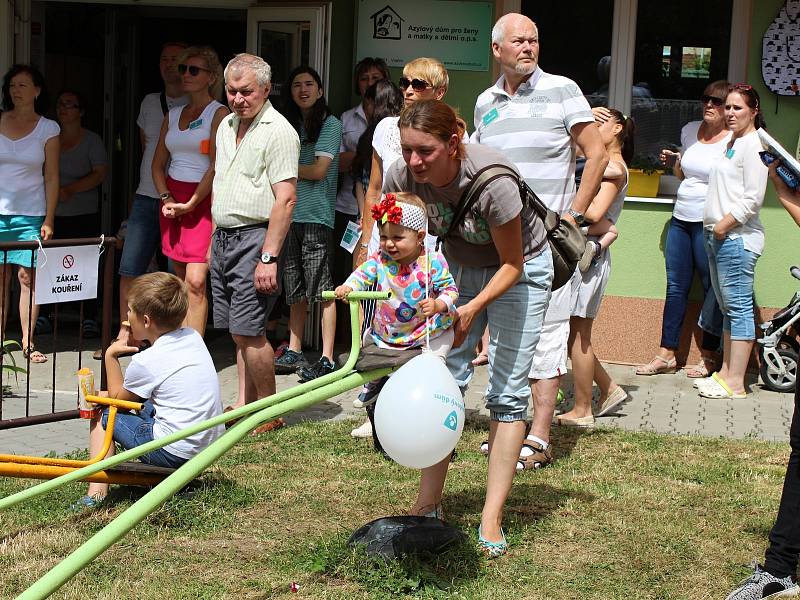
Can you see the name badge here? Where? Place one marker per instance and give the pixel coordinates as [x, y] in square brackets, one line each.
[490, 116]
[195, 124]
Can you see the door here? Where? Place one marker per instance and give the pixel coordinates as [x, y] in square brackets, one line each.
[290, 36]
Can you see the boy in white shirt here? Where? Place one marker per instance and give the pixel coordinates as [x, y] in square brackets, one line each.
[175, 378]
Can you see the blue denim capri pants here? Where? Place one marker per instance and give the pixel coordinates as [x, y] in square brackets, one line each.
[515, 321]
[732, 270]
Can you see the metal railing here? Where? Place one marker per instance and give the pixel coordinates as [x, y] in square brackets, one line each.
[105, 296]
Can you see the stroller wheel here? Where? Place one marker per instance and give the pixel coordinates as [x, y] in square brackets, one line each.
[775, 381]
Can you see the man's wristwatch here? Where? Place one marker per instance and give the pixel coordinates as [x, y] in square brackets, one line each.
[578, 216]
[267, 258]
[166, 195]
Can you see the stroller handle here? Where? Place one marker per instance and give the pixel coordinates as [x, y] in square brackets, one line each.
[795, 271]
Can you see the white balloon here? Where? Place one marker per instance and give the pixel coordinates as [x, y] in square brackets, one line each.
[419, 415]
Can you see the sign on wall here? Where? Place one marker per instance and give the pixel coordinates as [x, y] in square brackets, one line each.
[456, 33]
[67, 273]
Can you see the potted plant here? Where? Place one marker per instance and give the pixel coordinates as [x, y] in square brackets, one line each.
[644, 176]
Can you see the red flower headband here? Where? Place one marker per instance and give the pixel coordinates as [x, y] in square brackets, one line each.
[389, 210]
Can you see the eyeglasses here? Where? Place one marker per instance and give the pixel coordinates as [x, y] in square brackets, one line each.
[705, 99]
[66, 105]
[418, 85]
[194, 70]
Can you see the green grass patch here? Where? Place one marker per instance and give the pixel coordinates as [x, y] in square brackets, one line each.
[619, 515]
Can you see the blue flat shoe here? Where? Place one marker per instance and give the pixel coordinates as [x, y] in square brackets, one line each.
[492, 549]
[87, 502]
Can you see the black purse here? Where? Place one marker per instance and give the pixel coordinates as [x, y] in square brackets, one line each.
[566, 240]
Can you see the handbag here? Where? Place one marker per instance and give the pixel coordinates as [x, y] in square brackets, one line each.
[566, 240]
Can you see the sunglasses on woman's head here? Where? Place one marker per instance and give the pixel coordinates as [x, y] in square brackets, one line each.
[705, 99]
[746, 87]
[418, 85]
[194, 70]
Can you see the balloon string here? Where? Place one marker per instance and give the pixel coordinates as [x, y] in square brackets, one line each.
[427, 289]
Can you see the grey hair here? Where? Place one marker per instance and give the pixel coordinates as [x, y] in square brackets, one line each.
[499, 29]
[257, 64]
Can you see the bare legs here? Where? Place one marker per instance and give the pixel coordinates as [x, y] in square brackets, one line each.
[96, 437]
[505, 443]
[297, 323]
[735, 357]
[124, 286]
[544, 393]
[259, 372]
[28, 310]
[195, 274]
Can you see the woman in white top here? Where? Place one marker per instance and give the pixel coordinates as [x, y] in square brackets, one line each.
[423, 79]
[734, 238]
[188, 143]
[685, 254]
[28, 187]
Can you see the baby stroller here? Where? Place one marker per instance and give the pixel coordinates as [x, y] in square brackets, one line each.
[778, 350]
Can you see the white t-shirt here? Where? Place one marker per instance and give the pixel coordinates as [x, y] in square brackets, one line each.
[177, 374]
[21, 163]
[696, 166]
[737, 185]
[149, 121]
[188, 162]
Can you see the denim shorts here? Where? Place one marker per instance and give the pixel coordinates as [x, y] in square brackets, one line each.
[19, 228]
[515, 321]
[732, 270]
[142, 238]
[132, 430]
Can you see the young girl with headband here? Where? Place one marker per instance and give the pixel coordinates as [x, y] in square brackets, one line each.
[421, 308]
[401, 267]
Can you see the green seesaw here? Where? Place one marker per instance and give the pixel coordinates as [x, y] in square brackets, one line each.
[251, 415]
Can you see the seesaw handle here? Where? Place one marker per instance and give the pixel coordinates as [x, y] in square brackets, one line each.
[356, 296]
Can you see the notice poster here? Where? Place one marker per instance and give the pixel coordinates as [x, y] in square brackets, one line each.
[456, 33]
[67, 273]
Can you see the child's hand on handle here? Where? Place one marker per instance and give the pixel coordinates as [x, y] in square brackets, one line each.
[342, 291]
[431, 306]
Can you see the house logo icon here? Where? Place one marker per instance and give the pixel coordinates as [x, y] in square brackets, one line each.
[386, 24]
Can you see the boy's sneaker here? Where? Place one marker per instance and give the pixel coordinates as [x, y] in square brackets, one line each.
[289, 362]
[322, 367]
[762, 584]
[362, 431]
[87, 502]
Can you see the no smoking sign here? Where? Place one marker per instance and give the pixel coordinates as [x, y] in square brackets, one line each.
[68, 261]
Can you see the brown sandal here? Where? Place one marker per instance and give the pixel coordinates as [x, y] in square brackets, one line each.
[657, 366]
[32, 354]
[703, 369]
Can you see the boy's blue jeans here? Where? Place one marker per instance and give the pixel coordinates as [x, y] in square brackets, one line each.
[132, 430]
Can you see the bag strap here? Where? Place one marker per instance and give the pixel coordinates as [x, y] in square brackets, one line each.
[164, 108]
[470, 196]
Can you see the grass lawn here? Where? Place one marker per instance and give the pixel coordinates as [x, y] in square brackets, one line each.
[619, 515]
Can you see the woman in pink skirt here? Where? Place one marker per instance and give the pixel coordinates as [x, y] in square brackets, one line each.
[187, 145]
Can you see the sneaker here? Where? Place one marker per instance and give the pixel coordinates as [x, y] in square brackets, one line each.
[289, 362]
[87, 502]
[589, 254]
[281, 349]
[322, 367]
[362, 431]
[762, 584]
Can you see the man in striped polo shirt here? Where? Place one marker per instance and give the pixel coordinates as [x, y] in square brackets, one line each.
[539, 120]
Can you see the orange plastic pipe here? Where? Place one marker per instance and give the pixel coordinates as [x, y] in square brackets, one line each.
[65, 462]
[51, 472]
